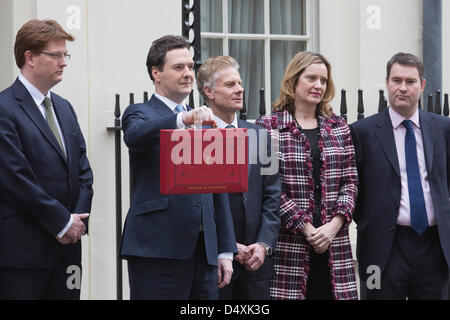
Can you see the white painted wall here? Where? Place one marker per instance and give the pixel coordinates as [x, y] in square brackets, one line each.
[120, 34]
[340, 43]
[359, 37]
[400, 29]
[6, 49]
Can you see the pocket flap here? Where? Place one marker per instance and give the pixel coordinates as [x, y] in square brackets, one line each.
[150, 206]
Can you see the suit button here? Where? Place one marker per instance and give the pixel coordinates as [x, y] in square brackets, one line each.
[392, 229]
[198, 204]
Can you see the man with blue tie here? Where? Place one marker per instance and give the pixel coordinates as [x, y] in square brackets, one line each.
[45, 176]
[403, 208]
[256, 212]
[177, 246]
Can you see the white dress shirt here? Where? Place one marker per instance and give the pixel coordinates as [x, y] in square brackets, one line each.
[404, 215]
[172, 105]
[38, 98]
[222, 124]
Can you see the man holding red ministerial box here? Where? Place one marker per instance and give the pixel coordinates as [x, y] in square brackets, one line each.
[256, 212]
[177, 246]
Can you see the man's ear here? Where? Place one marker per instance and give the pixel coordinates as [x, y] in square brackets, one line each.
[155, 73]
[423, 84]
[209, 92]
[29, 57]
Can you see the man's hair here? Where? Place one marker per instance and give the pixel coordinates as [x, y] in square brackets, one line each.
[35, 35]
[157, 54]
[405, 59]
[209, 72]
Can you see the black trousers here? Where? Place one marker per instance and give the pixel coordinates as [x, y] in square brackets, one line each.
[243, 287]
[59, 283]
[416, 268]
[318, 286]
[173, 279]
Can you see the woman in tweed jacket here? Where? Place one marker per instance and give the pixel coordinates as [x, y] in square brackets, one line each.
[313, 257]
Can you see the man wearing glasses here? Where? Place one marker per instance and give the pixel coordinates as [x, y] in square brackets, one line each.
[45, 176]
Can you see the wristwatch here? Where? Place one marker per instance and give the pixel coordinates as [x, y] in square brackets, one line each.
[268, 249]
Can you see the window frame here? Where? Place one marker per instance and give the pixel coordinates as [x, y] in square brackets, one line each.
[311, 36]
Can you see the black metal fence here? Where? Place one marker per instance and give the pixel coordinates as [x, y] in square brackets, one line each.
[433, 105]
[191, 31]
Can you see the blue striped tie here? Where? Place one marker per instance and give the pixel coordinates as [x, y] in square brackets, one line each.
[419, 220]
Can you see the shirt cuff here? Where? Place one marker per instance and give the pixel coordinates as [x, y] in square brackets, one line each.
[180, 123]
[226, 255]
[63, 231]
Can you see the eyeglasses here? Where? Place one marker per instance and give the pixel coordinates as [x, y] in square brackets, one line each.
[58, 56]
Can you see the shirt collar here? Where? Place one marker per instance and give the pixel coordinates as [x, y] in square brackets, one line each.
[171, 104]
[397, 119]
[222, 124]
[37, 96]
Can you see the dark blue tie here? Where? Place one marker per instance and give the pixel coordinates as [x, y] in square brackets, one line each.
[419, 220]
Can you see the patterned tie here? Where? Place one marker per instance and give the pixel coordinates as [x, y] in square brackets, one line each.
[419, 220]
[179, 108]
[50, 116]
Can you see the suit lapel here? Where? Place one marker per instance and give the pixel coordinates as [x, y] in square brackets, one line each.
[28, 105]
[160, 107]
[385, 134]
[243, 124]
[428, 137]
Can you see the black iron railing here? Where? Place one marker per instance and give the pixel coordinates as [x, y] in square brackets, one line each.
[191, 31]
[433, 105]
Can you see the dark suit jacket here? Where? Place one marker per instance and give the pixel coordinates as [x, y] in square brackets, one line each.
[167, 226]
[378, 200]
[39, 188]
[261, 202]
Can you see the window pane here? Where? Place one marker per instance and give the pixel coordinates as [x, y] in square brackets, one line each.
[287, 17]
[211, 15]
[281, 53]
[211, 48]
[246, 16]
[250, 56]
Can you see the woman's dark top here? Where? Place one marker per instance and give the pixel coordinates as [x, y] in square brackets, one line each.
[313, 138]
[319, 282]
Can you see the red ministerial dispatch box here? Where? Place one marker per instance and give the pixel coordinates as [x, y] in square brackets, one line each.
[203, 161]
